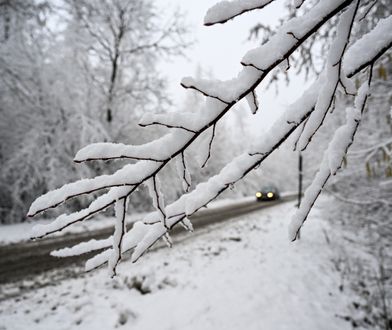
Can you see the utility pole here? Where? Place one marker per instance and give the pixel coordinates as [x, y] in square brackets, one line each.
[299, 178]
[299, 185]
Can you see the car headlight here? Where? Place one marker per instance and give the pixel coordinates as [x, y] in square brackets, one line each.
[259, 194]
[270, 194]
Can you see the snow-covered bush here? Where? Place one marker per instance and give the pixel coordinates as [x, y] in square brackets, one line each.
[306, 116]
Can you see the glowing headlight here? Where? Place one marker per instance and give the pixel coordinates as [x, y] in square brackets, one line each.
[259, 194]
[270, 194]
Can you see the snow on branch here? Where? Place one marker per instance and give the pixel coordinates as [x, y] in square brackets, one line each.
[188, 121]
[253, 103]
[292, 34]
[188, 204]
[332, 160]
[130, 240]
[154, 188]
[361, 54]
[182, 169]
[129, 175]
[227, 92]
[211, 139]
[84, 247]
[65, 220]
[227, 10]
[332, 74]
[120, 208]
[298, 3]
[221, 97]
[151, 151]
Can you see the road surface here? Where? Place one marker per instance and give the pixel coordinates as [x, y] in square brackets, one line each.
[25, 261]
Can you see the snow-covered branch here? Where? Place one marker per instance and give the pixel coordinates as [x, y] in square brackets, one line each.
[185, 129]
[361, 54]
[291, 35]
[227, 10]
[230, 91]
[332, 159]
[332, 77]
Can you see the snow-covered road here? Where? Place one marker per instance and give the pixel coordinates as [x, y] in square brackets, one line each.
[27, 260]
[243, 274]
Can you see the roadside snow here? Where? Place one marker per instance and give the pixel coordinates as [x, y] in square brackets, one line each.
[20, 232]
[243, 274]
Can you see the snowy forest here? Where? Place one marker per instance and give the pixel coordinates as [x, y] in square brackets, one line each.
[127, 193]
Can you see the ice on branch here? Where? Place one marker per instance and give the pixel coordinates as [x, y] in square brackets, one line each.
[226, 10]
[290, 35]
[369, 47]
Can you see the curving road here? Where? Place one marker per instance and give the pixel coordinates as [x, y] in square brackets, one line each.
[27, 260]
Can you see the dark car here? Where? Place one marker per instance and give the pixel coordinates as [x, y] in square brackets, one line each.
[268, 193]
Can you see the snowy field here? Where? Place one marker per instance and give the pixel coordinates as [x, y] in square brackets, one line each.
[243, 274]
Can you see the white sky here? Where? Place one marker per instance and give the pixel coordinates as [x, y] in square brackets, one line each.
[218, 50]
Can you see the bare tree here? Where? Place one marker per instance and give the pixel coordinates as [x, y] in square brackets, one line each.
[127, 39]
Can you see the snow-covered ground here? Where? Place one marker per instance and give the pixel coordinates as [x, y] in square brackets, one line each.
[243, 274]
